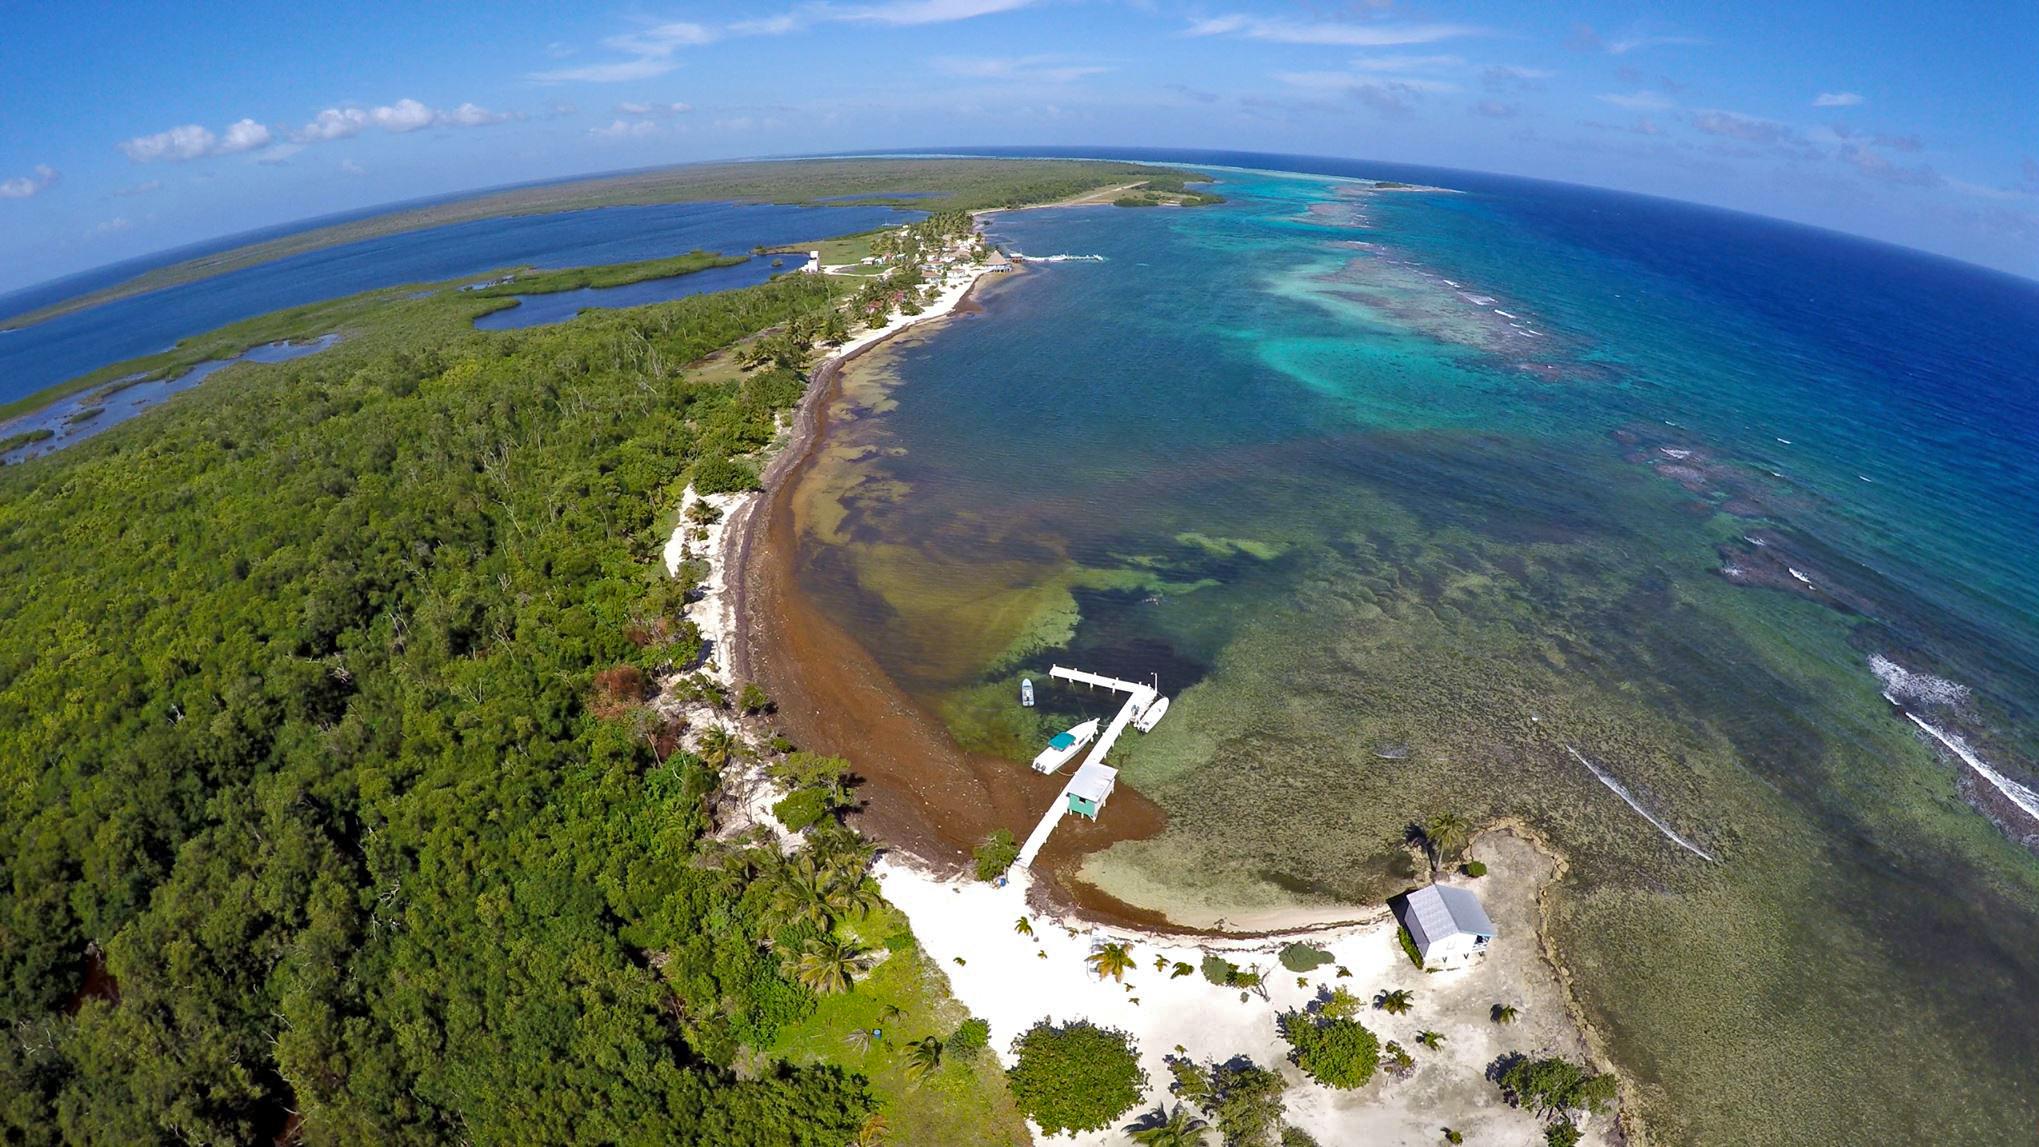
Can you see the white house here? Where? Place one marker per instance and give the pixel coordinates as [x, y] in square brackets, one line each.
[1448, 924]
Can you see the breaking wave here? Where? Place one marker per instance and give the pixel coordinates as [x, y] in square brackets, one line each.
[1620, 790]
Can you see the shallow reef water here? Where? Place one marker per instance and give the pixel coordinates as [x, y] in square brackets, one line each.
[1504, 481]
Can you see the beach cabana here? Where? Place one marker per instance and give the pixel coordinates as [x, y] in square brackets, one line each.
[1448, 924]
[1090, 787]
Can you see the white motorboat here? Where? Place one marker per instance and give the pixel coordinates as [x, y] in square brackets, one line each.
[1063, 746]
[1151, 716]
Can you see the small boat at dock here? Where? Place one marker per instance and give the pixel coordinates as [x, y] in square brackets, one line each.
[1151, 715]
[1063, 746]
[1027, 692]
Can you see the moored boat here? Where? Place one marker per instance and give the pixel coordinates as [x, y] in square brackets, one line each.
[1027, 692]
[1151, 716]
[1065, 745]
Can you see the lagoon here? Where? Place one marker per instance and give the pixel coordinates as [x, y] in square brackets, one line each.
[40, 356]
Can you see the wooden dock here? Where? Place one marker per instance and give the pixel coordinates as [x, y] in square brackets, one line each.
[1139, 697]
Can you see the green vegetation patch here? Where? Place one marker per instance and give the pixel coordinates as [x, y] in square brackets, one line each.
[1304, 957]
[345, 768]
[1077, 1077]
[612, 275]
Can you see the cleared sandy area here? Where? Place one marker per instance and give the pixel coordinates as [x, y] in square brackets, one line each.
[1013, 980]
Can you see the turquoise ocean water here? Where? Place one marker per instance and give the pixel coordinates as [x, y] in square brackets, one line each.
[1497, 501]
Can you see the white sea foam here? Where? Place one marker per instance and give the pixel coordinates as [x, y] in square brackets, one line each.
[1618, 789]
[1799, 576]
[1901, 684]
[2018, 794]
[1502, 313]
[1477, 300]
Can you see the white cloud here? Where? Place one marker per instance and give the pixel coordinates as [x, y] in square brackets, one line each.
[657, 111]
[1627, 44]
[625, 129]
[1345, 81]
[1640, 101]
[113, 226]
[652, 51]
[242, 135]
[1406, 63]
[1836, 100]
[405, 115]
[24, 186]
[908, 12]
[333, 123]
[470, 115]
[1049, 69]
[142, 188]
[1336, 32]
[349, 167]
[186, 141]
[644, 68]
[279, 154]
[766, 26]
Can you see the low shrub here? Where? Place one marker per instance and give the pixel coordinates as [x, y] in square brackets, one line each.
[1304, 958]
[719, 475]
[1409, 946]
[995, 855]
[802, 808]
[970, 1037]
[1335, 1053]
[1475, 869]
[1219, 970]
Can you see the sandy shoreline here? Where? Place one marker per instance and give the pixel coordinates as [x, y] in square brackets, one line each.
[934, 807]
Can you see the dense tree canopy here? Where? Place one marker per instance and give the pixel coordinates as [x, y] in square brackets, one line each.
[1335, 1052]
[298, 728]
[1076, 1077]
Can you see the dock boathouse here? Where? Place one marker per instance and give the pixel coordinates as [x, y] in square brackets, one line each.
[1448, 924]
[1090, 787]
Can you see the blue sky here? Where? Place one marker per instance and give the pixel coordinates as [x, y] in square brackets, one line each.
[134, 127]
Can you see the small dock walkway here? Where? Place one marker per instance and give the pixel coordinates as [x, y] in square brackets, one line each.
[1140, 697]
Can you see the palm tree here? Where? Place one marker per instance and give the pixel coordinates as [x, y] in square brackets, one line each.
[859, 897]
[828, 964]
[891, 1012]
[1023, 926]
[1504, 1013]
[1113, 960]
[801, 895]
[859, 1038]
[1165, 1128]
[1395, 1003]
[1446, 834]
[1430, 1039]
[925, 1056]
[719, 746]
[840, 852]
[873, 1133]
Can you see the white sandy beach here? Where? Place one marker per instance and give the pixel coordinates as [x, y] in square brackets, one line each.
[1013, 981]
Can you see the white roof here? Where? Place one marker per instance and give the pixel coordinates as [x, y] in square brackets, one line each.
[1093, 782]
[1439, 911]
